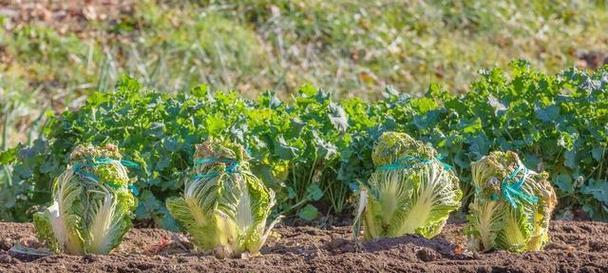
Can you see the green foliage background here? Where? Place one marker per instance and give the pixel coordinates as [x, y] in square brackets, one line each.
[311, 146]
[315, 150]
[352, 47]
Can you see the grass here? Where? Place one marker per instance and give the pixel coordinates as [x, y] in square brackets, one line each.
[350, 47]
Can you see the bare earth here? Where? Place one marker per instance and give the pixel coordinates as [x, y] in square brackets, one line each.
[575, 247]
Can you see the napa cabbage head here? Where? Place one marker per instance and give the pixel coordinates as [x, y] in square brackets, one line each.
[224, 207]
[92, 205]
[512, 205]
[410, 192]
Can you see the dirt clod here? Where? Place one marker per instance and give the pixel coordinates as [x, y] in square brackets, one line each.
[6, 259]
[89, 258]
[6, 244]
[426, 254]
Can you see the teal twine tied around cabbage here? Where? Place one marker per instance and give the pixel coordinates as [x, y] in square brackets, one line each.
[408, 162]
[96, 162]
[231, 166]
[511, 188]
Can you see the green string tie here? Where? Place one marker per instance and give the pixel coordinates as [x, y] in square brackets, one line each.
[408, 162]
[96, 162]
[511, 188]
[232, 166]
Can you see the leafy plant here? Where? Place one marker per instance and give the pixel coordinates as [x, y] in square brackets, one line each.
[315, 151]
[92, 205]
[512, 206]
[224, 206]
[309, 135]
[410, 192]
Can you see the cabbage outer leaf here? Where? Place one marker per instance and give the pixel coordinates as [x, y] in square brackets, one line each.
[409, 201]
[225, 214]
[86, 217]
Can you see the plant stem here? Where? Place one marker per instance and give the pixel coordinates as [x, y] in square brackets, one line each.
[5, 168]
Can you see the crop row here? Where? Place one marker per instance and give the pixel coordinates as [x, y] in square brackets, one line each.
[314, 151]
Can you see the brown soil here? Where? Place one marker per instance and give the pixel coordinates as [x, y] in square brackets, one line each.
[69, 16]
[575, 247]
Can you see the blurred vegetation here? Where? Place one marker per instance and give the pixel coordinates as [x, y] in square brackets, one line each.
[349, 47]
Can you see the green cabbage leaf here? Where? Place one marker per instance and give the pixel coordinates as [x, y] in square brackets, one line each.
[224, 207]
[512, 205]
[92, 204]
[410, 192]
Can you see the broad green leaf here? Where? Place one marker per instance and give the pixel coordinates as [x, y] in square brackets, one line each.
[314, 192]
[308, 213]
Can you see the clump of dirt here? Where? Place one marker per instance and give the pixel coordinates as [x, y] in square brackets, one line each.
[575, 247]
